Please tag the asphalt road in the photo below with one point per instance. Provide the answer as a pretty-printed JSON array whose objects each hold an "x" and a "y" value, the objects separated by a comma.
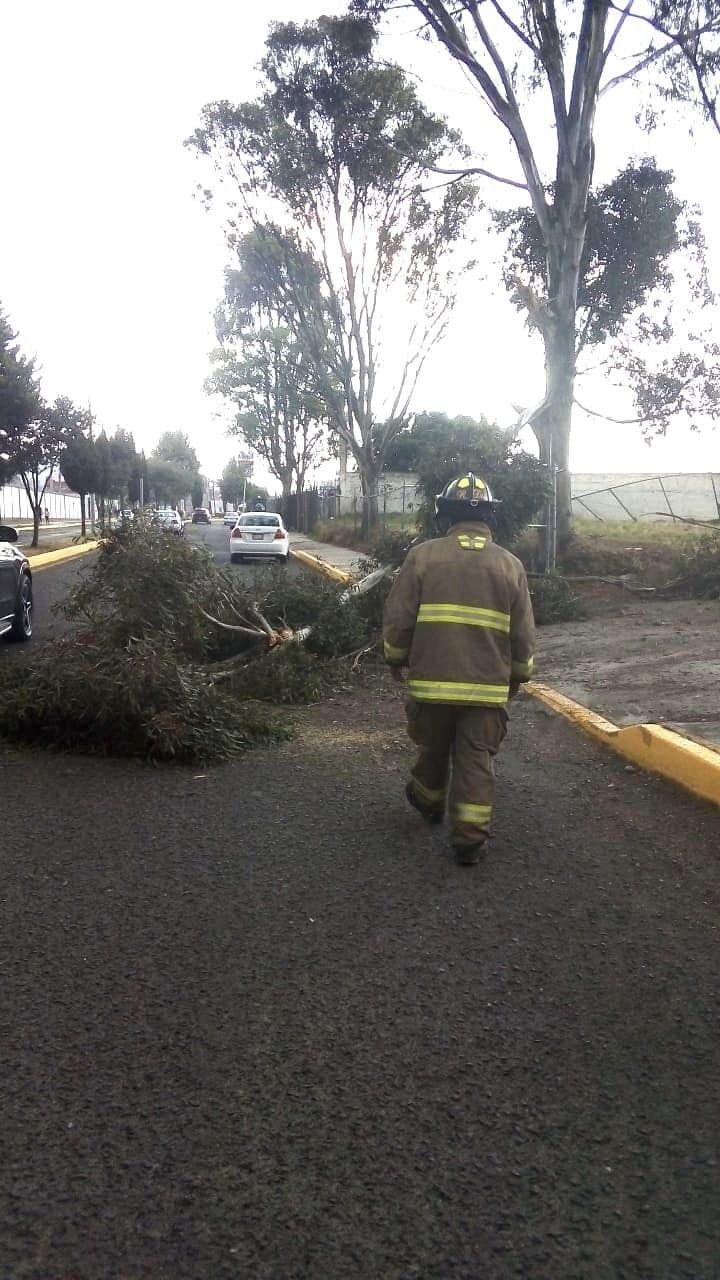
[{"x": 256, "y": 1024}]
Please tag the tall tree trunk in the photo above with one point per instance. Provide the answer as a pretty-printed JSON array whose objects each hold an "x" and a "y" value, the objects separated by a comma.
[
  {"x": 369, "y": 476},
  {"x": 552, "y": 430},
  {"x": 37, "y": 515},
  {"x": 285, "y": 501}
]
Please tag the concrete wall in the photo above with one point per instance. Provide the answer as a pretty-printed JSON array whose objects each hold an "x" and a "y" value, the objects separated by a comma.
[
  {"x": 14, "y": 504},
  {"x": 688, "y": 494},
  {"x": 396, "y": 492}
]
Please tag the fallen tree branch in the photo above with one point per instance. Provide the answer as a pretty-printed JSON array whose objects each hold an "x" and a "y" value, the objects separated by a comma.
[
  {"x": 622, "y": 580},
  {"x": 263, "y": 622},
  {"x": 701, "y": 524},
  {"x": 230, "y": 626}
]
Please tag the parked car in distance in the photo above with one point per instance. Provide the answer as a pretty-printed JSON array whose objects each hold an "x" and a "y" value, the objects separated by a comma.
[
  {"x": 16, "y": 598},
  {"x": 201, "y": 515},
  {"x": 231, "y": 517},
  {"x": 259, "y": 533},
  {"x": 168, "y": 521}
]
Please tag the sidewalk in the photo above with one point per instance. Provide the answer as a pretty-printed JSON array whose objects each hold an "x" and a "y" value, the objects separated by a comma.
[{"x": 340, "y": 557}]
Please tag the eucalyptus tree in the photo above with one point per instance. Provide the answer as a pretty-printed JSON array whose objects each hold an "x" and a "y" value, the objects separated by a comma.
[
  {"x": 329, "y": 167},
  {"x": 642, "y": 246},
  {"x": 173, "y": 467},
  {"x": 266, "y": 372},
  {"x": 39, "y": 447},
  {"x": 542, "y": 70},
  {"x": 19, "y": 397},
  {"x": 80, "y": 471}
]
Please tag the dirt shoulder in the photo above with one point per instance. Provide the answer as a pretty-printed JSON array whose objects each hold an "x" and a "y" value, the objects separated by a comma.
[
  {"x": 636, "y": 660},
  {"x": 633, "y": 659}
]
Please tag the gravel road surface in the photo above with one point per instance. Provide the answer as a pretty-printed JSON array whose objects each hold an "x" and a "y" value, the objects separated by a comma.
[{"x": 257, "y": 1024}]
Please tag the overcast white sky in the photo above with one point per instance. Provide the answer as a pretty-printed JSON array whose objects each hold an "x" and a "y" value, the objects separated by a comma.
[{"x": 110, "y": 270}]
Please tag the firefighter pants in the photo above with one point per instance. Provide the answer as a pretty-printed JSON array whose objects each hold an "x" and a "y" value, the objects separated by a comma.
[{"x": 458, "y": 744}]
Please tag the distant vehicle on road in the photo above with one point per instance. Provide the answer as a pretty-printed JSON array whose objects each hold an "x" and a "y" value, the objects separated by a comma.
[
  {"x": 259, "y": 533},
  {"x": 16, "y": 598},
  {"x": 231, "y": 517},
  {"x": 168, "y": 521},
  {"x": 201, "y": 515}
]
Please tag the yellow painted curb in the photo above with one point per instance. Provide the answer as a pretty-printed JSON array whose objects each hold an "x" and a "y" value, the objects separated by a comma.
[
  {"x": 47, "y": 558},
  {"x": 650, "y": 746},
  {"x": 321, "y": 566}
]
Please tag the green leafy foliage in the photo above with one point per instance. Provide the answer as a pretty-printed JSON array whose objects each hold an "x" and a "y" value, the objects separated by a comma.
[
  {"x": 287, "y": 676},
  {"x": 448, "y": 446},
  {"x": 235, "y": 485},
  {"x": 173, "y": 468},
  {"x": 639, "y": 240},
  {"x": 148, "y": 671},
  {"x": 553, "y": 600},
  {"x": 340, "y": 143},
  {"x": 267, "y": 373},
  {"x": 19, "y": 397},
  {"x": 79, "y": 465},
  {"x": 139, "y": 701},
  {"x": 634, "y": 225},
  {"x": 697, "y": 570}
]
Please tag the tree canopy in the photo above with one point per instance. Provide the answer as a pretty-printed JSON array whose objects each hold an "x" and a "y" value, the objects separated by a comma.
[
  {"x": 19, "y": 397},
  {"x": 338, "y": 146},
  {"x": 265, "y": 371},
  {"x": 542, "y": 71},
  {"x": 236, "y": 485},
  {"x": 442, "y": 447}
]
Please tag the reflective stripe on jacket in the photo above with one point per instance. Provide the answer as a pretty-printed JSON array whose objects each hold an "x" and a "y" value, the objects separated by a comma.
[{"x": 460, "y": 616}]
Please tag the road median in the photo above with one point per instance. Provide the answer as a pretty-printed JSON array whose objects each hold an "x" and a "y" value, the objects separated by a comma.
[{"x": 45, "y": 559}]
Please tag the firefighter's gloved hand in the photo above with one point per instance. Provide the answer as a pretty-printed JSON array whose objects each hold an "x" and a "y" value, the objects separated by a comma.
[
  {"x": 398, "y": 675},
  {"x": 514, "y": 689}
]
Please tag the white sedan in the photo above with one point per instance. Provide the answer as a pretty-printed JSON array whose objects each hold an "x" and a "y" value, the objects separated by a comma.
[{"x": 259, "y": 533}]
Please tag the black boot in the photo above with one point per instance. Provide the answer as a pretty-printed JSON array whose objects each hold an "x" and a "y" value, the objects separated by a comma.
[
  {"x": 468, "y": 855},
  {"x": 432, "y": 816}
]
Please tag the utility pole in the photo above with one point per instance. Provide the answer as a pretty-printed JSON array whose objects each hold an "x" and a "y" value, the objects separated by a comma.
[{"x": 91, "y": 496}]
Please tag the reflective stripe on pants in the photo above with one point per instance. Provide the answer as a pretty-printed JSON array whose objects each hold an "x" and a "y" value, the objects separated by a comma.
[{"x": 466, "y": 738}]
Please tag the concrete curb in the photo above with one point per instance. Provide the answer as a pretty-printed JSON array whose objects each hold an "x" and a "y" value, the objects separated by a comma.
[
  {"x": 651, "y": 747},
  {"x": 321, "y": 566},
  {"x": 48, "y": 558}
]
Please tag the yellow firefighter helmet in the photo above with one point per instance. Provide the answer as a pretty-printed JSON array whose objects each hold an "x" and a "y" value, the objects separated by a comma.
[{"x": 467, "y": 497}]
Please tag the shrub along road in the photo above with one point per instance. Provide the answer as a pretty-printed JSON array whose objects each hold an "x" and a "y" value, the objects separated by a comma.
[{"x": 258, "y": 1023}]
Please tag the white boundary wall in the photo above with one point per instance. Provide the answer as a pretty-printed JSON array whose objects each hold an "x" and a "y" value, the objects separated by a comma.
[
  {"x": 397, "y": 491},
  {"x": 688, "y": 494}
]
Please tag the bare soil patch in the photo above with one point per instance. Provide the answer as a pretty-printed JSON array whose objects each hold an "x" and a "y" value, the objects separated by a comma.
[{"x": 639, "y": 659}]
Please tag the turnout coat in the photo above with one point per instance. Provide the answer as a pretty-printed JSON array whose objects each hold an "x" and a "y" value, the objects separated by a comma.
[{"x": 459, "y": 615}]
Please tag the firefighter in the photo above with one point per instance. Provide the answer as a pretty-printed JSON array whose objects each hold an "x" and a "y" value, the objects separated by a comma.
[{"x": 459, "y": 617}]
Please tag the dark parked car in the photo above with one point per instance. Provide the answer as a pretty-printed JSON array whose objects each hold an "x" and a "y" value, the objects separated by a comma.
[
  {"x": 15, "y": 588},
  {"x": 201, "y": 515}
]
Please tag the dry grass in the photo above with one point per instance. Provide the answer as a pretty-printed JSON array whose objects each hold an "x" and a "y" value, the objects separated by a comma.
[
  {"x": 647, "y": 548},
  {"x": 344, "y": 531}
]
